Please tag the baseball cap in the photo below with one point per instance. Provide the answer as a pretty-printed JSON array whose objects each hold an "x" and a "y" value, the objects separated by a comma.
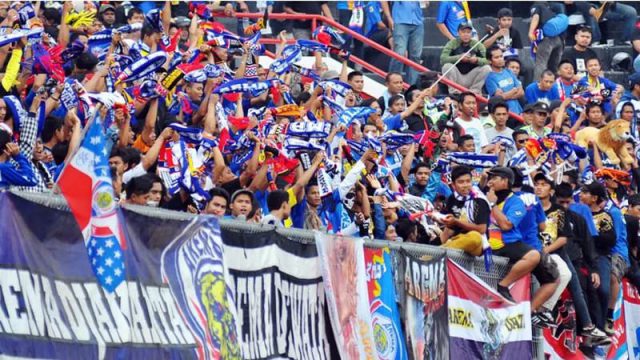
[
  {"x": 634, "y": 79},
  {"x": 464, "y": 25},
  {"x": 106, "y": 7},
  {"x": 541, "y": 106},
  {"x": 504, "y": 12},
  {"x": 483, "y": 109},
  {"x": 503, "y": 172},
  {"x": 596, "y": 189},
  {"x": 528, "y": 108},
  {"x": 240, "y": 192}
]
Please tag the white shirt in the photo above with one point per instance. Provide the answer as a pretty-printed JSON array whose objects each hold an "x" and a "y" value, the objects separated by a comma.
[{"x": 475, "y": 129}]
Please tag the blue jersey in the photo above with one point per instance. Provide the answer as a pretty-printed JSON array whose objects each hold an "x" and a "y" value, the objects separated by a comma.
[
  {"x": 451, "y": 14},
  {"x": 534, "y": 216},
  {"x": 20, "y": 175},
  {"x": 621, "y": 248},
  {"x": 533, "y": 94},
  {"x": 504, "y": 80}
]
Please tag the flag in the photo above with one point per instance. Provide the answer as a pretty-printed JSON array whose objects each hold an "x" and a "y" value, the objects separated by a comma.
[
  {"x": 482, "y": 324},
  {"x": 86, "y": 184}
]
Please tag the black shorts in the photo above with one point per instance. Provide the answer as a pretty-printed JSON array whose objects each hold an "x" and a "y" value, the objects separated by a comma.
[
  {"x": 513, "y": 251},
  {"x": 547, "y": 271}
]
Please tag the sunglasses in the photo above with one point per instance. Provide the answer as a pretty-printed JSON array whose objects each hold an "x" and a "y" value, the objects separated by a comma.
[{"x": 522, "y": 141}]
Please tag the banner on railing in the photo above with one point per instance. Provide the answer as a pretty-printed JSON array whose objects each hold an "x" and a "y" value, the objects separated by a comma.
[
  {"x": 631, "y": 304},
  {"x": 193, "y": 292},
  {"x": 279, "y": 296},
  {"x": 52, "y": 307},
  {"x": 427, "y": 321},
  {"x": 385, "y": 317},
  {"x": 562, "y": 343},
  {"x": 482, "y": 324},
  {"x": 343, "y": 271}
]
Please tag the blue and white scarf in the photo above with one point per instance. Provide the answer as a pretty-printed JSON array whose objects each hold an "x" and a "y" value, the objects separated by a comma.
[
  {"x": 188, "y": 134},
  {"x": 355, "y": 113},
  {"x": 309, "y": 130},
  {"x": 473, "y": 159}
]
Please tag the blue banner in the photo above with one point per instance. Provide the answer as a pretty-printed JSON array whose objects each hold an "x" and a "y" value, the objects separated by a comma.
[{"x": 52, "y": 306}]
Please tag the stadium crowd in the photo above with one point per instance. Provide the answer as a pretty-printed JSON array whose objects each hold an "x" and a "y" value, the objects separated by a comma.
[{"x": 195, "y": 123}]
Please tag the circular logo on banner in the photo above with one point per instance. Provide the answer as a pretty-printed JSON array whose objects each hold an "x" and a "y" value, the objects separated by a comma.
[
  {"x": 103, "y": 201},
  {"x": 385, "y": 336}
]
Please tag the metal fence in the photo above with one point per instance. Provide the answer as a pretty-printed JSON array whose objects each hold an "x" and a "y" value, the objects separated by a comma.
[{"x": 473, "y": 264}]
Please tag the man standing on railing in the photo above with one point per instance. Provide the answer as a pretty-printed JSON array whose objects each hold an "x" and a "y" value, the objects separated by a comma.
[{"x": 407, "y": 24}]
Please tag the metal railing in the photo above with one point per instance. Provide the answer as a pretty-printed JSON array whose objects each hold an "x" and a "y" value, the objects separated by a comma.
[{"x": 334, "y": 24}]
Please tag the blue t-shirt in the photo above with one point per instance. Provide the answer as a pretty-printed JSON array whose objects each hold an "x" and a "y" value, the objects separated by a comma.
[
  {"x": 407, "y": 12},
  {"x": 620, "y": 226},
  {"x": 504, "y": 80},
  {"x": 515, "y": 211},
  {"x": 451, "y": 14},
  {"x": 533, "y": 94},
  {"x": 529, "y": 224}
]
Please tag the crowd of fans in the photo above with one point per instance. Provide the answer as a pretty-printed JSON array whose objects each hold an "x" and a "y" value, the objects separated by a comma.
[{"x": 211, "y": 131}]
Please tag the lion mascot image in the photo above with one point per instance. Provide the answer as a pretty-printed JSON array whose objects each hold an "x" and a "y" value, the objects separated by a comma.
[{"x": 610, "y": 140}]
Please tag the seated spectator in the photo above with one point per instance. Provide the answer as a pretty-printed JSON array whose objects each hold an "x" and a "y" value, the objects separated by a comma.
[
  {"x": 514, "y": 65},
  {"x": 467, "y": 214},
  {"x": 470, "y": 124},
  {"x": 597, "y": 85},
  {"x": 502, "y": 82},
  {"x": 543, "y": 90},
  {"x": 450, "y": 15},
  {"x": 565, "y": 83},
  {"x": 473, "y": 67},
  {"x": 506, "y": 213},
  {"x": 505, "y": 37},
  {"x": 580, "y": 52}
]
